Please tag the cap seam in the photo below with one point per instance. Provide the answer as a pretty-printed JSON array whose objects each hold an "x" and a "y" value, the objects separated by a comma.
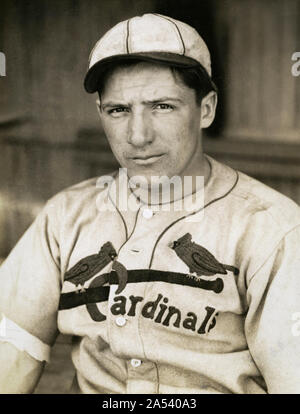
[
  {"x": 177, "y": 31},
  {"x": 127, "y": 37}
]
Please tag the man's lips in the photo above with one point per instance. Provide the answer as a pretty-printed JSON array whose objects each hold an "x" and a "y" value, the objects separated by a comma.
[{"x": 146, "y": 159}]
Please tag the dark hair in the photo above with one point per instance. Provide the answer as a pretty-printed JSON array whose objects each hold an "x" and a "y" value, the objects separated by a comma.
[{"x": 195, "y": 78}]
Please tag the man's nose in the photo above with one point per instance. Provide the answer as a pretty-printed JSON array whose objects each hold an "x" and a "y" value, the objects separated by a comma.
[{"x": 139, "y": 130}]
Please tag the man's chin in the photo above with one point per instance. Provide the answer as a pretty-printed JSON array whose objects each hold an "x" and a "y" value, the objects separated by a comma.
[
  {"x": 145, "y": 179},
  {"x": 153, "y": 183}
]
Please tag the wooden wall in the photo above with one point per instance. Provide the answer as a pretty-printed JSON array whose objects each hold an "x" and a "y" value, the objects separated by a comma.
[
  {"x": 262, "y": 97},
  {"x": 47, "y": 45}
]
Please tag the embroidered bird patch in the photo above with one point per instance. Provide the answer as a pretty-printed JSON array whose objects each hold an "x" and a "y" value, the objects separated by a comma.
[
  {"x": 89, "y": 266},
  {"x": 198, "y": 259}
]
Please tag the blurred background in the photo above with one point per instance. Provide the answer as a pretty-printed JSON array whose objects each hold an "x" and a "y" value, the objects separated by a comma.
[{"x": 50, "y": 135}]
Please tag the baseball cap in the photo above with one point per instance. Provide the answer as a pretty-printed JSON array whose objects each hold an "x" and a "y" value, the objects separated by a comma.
[{"x": 150, "y": 37}]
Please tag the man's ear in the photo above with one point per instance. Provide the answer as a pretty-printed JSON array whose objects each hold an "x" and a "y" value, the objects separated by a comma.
[
  {"x": 208, "y": 109},
  {"x": 98, "y": 104}
]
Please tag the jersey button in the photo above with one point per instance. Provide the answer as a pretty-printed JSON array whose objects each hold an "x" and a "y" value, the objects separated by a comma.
[
  {"x": 135, "y": 363},
  {"x": 120, "y": 321},
  {"x": 147, "y": 213}
]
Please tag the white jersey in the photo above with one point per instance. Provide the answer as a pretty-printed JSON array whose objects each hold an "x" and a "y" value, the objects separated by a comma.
[{"x": 160, "y": 303}]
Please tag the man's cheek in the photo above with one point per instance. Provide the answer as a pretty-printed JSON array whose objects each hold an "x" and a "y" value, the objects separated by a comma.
[
  {"x": 118, "y": 153},
  {"x": 167, "y": 133},
  {"x": 115, "y": 139}
]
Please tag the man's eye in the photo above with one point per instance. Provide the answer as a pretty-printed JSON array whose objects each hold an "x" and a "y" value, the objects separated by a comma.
[
  {"x": 163, "y": 107},
  {"x": 117, "y": 111}
]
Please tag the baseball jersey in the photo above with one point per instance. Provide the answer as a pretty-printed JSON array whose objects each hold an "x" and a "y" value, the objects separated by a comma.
[{"x": 193, "y": 297}]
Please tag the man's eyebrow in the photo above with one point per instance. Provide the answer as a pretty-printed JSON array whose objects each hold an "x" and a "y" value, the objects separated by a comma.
[
  {"x": 113, "y": 104},
  {"x": 162, "y": 99}
]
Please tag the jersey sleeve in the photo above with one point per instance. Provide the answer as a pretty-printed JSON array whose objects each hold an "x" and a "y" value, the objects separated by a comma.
[
  {"x": 271, "y": 324},
  {"x": 30, "y": 280}
]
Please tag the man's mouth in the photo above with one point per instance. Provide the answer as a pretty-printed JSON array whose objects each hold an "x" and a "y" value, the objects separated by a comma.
[{"x": 146, "y": 159}]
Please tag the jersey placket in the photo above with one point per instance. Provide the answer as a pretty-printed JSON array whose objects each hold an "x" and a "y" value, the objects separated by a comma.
[{"x": 124, "y": 322}]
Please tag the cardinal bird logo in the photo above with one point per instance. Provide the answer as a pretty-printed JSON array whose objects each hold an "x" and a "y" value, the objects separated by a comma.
[
  {"x": 198, "y": 259},
  {"x": 89, "y": 266}
]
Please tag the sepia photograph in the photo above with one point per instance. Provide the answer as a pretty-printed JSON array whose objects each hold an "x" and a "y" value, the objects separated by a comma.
[{"x": 150, "y": 198}]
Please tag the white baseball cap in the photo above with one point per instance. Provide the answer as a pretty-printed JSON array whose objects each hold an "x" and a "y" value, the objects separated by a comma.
[{"x": 151, "y": 37}]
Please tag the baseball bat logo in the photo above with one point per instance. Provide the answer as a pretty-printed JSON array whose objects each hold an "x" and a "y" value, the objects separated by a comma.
[{"x": 202, "y": 263}]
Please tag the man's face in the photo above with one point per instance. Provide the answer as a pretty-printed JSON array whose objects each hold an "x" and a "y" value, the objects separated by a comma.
[{"x": 152, "y": 122}]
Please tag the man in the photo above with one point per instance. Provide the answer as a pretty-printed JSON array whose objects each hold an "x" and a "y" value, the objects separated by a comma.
[{"x": 163, "y": 291}]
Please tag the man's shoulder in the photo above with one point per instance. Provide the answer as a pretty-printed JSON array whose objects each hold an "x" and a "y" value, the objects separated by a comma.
[
  {"x": 82, "y": 193},
  {"x": 262, "y": 198},
  {"x": 252, "y": 197}
]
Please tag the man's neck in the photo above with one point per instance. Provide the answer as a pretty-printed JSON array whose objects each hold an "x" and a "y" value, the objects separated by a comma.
[{"x": 175, "y": 188}]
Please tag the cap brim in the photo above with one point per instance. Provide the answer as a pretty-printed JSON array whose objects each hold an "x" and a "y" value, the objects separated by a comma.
[{"x": 96, "y": 71}]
